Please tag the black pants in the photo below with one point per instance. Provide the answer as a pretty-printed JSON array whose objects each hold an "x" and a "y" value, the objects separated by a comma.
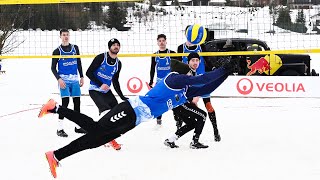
[
  {"x": 104, "y": 101},
  {"x": 76, "y": 104},
  {"x": 116, "y": 122},
  {"x": 212, "y": 116},
  {"x": 193, "y": 117}
]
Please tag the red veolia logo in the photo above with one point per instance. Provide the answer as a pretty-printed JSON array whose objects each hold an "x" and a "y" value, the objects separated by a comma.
[
  {"x": 134, "y": 85},
  {"x": 244, "y": 89}
]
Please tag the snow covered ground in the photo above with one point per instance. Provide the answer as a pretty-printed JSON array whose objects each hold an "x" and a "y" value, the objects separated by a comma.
[{"x": 261, "y": 138}]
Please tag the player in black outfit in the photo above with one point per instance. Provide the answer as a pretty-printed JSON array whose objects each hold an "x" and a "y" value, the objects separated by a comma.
[
  {"x": 190, "y": 114},
  {"x": 208, "y": 66}
]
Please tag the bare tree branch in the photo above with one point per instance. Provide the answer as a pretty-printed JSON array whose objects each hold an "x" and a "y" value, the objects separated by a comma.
[{"x": 11, "y": 19}]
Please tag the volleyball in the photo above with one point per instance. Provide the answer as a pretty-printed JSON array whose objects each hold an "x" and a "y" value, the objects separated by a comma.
[{"x": 196, "y": 34}]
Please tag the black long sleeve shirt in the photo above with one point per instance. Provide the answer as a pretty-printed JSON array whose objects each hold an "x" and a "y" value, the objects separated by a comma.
[
  {"x": 210, "y": 81},
  {"x": 55, "y": 60},
  {"x": 153, "y": 64},
  {"x": 97, "y": 61}
]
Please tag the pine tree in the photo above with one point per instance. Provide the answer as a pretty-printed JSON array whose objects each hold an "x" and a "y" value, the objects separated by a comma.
[
  {"x": 176, "y": 3},
  {"x": 195, "y": 2},
  {"x": 284, "y": 19},
  {"x": 228, "y": 2},
  {"x": 300, "y": 26},
  {"x": 204, "y": 2},
  {"x": 163, "y": 3},
  {"x": 115, "y": 17},
  {"x": 95, "y": 12},
  {"x": 151, "y": 8},
  {"x": 301, "y": 17},
  {"x": 284, "y": 2}
]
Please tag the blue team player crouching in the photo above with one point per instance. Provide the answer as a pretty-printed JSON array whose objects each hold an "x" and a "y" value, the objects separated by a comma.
[{"x": 171, "y": 92}]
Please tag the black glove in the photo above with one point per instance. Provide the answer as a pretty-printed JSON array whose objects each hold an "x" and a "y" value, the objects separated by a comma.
[{"x": 151, "y": 84}]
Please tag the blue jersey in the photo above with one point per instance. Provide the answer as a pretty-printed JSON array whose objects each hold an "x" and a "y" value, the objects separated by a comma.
[
  {"x": 104, "y": 74},
  {"x": 68, "y": 67},
  {"x": 174, "y": 90},
  {"x": 157, "y": 101},
  {"x": 201, "y": 68},
  {"x": 163, "y": 66}
]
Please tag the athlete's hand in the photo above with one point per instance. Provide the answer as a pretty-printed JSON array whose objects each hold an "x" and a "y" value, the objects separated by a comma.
[
  {"x": 62, "y": 84},
  {"x": 104, "y": 87},
  {"x": 81, "y": 82},
  {"x": 195, "y": 100},
  {"x": 151, "y": 84}
]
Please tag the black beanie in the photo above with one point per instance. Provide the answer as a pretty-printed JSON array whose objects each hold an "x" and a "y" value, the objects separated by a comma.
[
  {"x": 193, "y": 55},
  {"x": 112, "y": 41},
  {"x": 179, "y": 67}
]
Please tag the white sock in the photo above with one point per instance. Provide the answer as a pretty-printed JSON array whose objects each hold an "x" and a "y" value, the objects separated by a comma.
[
  {"x": 60, "y": 124},
  {"x": 57, "y": 107},
  {"x": 173, "y": 138}
]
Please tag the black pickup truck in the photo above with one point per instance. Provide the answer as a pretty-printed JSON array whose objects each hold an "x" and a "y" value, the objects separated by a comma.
[{"x": 273, "y": 65}]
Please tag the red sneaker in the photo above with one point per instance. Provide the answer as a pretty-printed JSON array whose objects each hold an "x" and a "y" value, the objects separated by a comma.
[
  {"x": 115, "y": 145},
  {"x": 51, "y": 104},
  {"x": 53, "y": 163}
]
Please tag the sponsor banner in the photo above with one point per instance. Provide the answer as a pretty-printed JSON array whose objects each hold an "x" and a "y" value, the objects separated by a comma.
[
  {"x": 270, "y": 86},
  {"x": 135, "y": 75},
  {"x": 134, "y": 81}
]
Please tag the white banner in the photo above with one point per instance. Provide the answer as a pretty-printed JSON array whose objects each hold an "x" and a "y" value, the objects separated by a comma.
[
  {"x": 135, "y": 76},
  {"x": 134, "y": 81},
  {"x": 270, "y": 86}
]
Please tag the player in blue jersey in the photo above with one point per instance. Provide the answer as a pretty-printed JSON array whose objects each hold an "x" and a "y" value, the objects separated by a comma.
[
  {"x": 205, "y": 65},
  {"x": 171, "y": 92},
  {"x": 104, "y": 71},
  {"x": 67, "y": 76},
  {"x": 162, "y": 64}
]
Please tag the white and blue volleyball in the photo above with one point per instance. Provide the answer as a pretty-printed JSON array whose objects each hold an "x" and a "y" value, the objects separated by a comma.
[{"x": 196, "y": 34}]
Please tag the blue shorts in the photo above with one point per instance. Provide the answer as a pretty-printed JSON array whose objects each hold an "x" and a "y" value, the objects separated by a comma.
[{"x": 72, "y": 90}]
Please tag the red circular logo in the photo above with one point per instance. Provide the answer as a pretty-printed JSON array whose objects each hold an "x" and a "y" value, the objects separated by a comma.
[
  {"x": 245, "y": 90},
  {"x": 132, "y": 85}
]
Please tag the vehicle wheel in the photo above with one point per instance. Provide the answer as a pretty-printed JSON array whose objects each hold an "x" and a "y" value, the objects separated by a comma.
[
  {"x": 314, "y": 73},
  {"x": 289, "y": 72}
]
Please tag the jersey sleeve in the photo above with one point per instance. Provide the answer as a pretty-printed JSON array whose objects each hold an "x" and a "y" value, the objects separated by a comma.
[
  {"x": 54, "y": 63},
  {"x": 115, "y": 82},
  {"x": 97, "y": 61},
  {"x": 152, "y": 69},
  {"x": 79, "y": 64}
]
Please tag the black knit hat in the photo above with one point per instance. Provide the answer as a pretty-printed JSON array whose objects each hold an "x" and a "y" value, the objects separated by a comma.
[
  {"x": 113, "y": 41},
  {"x": 179, "y": 67},
  {"x": 193, "y": 55}
]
